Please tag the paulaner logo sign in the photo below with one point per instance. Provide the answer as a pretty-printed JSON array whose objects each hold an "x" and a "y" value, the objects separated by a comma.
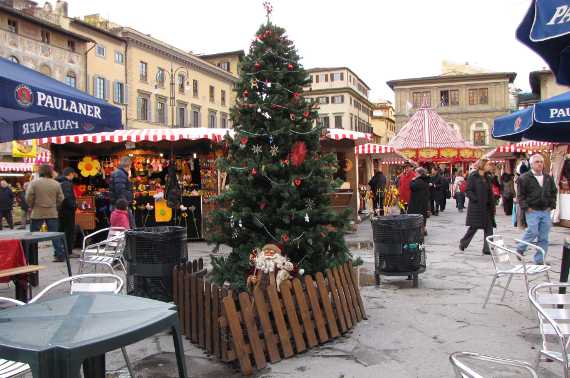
[
  {"x": 559, "y": 112},
  {"x": 43, "y": 126},
  {"x": 560, "y": 16}
]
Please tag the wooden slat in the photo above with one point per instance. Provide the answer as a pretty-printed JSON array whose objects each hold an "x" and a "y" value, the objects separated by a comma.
[
  {"x": 268, "y": 335},
  {"x": 279, "y": 320},
  {"x": 201, "y": 320},
  {"x": 215, "y": 324},
  {"x": 237, "y": 335},
  {"x": 347, "y": 277},
  {"x": 327, "y": 306},
  {"x": 305, "y": 315},
  {"x": 194, "y": 266},
  {"x": 252, "y": 331},
  {"x": 200, "y": 264},
  {"x": 353, "y": 273},
  {"x": 208, "y": 315},
  {"x": 187, "y": 300},
  {"x": 224, "y": 330},
  {"x": 337, "y": 302},
  {"x": 342, "y": 295},
  {"x": 21, "y": 270},
  {"x": 292, "y": 318},
  {"x": 194, "y": 305},
  {"x": 317, "y": 312},
  {"x": 347, "y": 296}
]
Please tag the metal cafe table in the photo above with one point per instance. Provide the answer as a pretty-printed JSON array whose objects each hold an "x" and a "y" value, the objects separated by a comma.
[{"x": 56, "y": 336}]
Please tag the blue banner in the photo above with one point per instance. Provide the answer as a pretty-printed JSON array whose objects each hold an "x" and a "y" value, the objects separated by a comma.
[{"x": 551, "y": 19}]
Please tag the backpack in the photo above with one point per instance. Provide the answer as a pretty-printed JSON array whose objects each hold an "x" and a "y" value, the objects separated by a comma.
[{"x": 463, "y": 186}]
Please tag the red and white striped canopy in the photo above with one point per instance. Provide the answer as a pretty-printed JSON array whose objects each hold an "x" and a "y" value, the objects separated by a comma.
[
  {"x": 525, "y": 146},
  {"x": 426, "y": 129},
  {"x": 16, "y": 167},
  {"x": 142, "y": 135},
  {"x": 338, "y": 134},
  {"x": 386, "y": 154},
  {"x": 42, "y": 157}
]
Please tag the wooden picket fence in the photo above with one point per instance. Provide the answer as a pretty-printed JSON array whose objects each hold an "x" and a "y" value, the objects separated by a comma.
[{"x": 266, "y": 325}]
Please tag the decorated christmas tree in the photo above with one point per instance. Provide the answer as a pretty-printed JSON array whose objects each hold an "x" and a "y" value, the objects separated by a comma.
[{"x": 278, "y": 180}]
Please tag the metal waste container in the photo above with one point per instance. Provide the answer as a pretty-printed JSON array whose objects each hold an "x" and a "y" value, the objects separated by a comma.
[
  {"x": 398, "y": 246},
  {"x": 151, "y": 254}
]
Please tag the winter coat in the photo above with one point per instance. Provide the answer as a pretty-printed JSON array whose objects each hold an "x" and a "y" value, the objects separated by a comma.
[
  {"x": 419, "y": 198},
  {"x": 437, "y": 190},
  {"x": 120, "y": 186},
  {"x": 44, "y": 196},
  {"x": 481, "y": 208},
  {"x": 69, "y": 203},
  {"x": 531, "y": 194},
  {"x": 404, "y": 186},
  {"x": 6, "y": 198},
  {"x": 508, "y": 186},
  {"x": 377, "y": 182},
  {"x": 120, "y": 218}
]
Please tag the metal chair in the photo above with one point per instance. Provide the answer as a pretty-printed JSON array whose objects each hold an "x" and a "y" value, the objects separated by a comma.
[
  {"x": 509, "y": 263},
  {"x": 107, "y": 252},
  {"x": 115, "y": 287},
  {"x": 9, "y": 369},
  {"x": 553, "y": 322},
  {"x": 462, "y": 370}
]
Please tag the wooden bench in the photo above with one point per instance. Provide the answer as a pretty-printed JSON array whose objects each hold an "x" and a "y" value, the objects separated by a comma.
[{"x": 22, "y": 294}]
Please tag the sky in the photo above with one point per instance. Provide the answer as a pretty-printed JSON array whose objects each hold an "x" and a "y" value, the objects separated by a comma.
[{"x": 380, "y": 40}]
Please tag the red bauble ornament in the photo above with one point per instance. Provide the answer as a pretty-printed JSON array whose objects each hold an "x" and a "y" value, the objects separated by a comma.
[
  {"x": 298, "y": 153},
  {"x": 257, "y": 66},
  {"x": 254, "y": 172},
  {"x": 245, "y": 93},
  {"x": 263, "y": 205},
  {"x": 290, "y": 67},
  {"x": 297, "y": 182},
  {"x": 285, "y": 162},
  {"x": 306, "y": 114},
  {"x": 285, "y": 238},
  {"x": 243, "y": 140},
  {"x": 296, "y": 96}
]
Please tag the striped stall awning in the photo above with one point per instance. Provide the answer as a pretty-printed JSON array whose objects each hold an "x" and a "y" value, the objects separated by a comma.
[
  {"x": 386, "y": 154},
  {"x": 426, "y": 129},
  {"x": 16, "y": 167},
  {"x": 338, "y": 134},
  {"x": 142, "y": 135},
  {"x": 525, "y": 146}
]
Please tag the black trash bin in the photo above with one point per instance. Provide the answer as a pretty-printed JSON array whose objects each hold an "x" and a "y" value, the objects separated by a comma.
[
  {"x": 151, "y": 254},
  {"x": 398, "y": 246}
]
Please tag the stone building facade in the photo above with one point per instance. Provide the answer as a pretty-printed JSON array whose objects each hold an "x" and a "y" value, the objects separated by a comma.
[{"x": 383, "y": 122}]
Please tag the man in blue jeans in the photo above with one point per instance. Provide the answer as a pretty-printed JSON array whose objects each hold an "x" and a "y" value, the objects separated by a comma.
[{"x": 536, "y": 197}]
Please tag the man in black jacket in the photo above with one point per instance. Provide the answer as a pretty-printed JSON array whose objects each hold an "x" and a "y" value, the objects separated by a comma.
[
  {"x": 6, "y": 203},
  {"x": 377, "y": 185},
  {"x": 536, "y": 197},
  {"x": 121, "y": 187},
  {"x": 67, "y": 210}
]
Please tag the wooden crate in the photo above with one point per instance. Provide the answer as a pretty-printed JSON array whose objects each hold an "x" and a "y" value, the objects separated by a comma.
[
  {"x": 87, "y": 220},
  {"x": 268, "y": 324}
]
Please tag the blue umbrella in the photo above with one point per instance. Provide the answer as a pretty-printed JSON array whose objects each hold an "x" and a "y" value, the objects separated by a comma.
[
  {"x": 546, "y": 30},
  {"x": 34, "y": 106},
  {"x": 547, "y": 121}
]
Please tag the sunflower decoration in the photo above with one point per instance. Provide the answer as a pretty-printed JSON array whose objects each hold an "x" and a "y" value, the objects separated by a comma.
[{"x": 89, "y": 166}]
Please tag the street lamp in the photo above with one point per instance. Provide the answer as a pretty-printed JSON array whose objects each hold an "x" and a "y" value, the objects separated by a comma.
[{"x": 172, "y": 75}]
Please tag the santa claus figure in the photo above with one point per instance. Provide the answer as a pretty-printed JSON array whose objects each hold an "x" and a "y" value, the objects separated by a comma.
[{"x": 268, "y": 262}]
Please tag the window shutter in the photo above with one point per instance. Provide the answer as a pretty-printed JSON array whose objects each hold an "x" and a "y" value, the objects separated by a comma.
[
  {"x": 116, "y": 97},
  {"x": 341, "y": 76},
  {"x": 149, "y": 110},
  {"x": 317, "y": 78},
  {"x": 139, "y": 114},
  {"x": 106, "y": 89},
  {"x": 326, "y": 77},
  {"x": 332, "y": 77},
  {"x": 94, "y": 85},
  {"x": 87, "y": 84}
]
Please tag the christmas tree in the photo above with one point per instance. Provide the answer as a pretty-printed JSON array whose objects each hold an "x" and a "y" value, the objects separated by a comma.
[{"x": 278, "y": 180}]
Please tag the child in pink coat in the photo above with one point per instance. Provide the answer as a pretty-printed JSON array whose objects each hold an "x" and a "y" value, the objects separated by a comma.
[{"x": 120, "y": 216}]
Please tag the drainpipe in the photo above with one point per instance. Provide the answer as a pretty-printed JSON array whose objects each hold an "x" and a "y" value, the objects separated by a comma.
[
  {"x": 86, "y": 71},
  {"x": 126, "y": 105}
]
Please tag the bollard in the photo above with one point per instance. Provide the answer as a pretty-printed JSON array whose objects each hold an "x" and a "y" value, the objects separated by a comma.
[{"x": 565, "y": 265}]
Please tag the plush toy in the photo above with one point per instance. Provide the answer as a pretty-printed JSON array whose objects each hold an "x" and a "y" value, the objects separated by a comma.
[{"x": 268, "y": 262}]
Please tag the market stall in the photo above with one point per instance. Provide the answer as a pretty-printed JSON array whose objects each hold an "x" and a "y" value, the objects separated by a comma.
[{"x": 163, "y": 160}]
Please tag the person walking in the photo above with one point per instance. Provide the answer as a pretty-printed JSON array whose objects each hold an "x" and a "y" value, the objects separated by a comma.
[
  {"x": 121, "y": 187},
  {"x": 21, "y": 199},
  {"x": 481, "y": 207},
  {"x": 536, "y": 196},
  {"x": 67, "y": 209},
  {"x": 459, "y": 187},
  {"x": 377, "y": 185},
  {"x": 419, "y": 195},
  {"x": 404, "y": 181},
  {"x": 44, "y": 196},
  {"x": 6, "y": 204},
  {"x": 508, "y": 192},
  {"x": 436, "y": 191},
  {"x": 445, "y": 183}
]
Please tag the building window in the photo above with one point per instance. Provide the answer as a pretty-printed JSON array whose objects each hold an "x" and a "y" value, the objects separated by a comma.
[
  {"x": 323, "y": 100},
  {"x": 161, "y": 111},
  {"x": 337, "y": 76},
  {"x": 46, "y": 37},
  {"x": 70, "y": 79},
  {"x": 181, "y": 83},
  {"x": 212, "y": 90},
  {"x": 478, "y": 96},
  {"x": 311, "y": 78},
  {"x": 224, "y": 121},
  {"x": 181, "y": 115},
  {"x": 324, "y": 121},
  {"x": 212, "y": 120},
  {"x": 160, "y": 77},
  {"x": 99, "y": 89},
  {"x": 224, "y": 66},
  {"x": 195, "y": 117},
  {"x": 143, "y": 109},
  {"x": 223, "y": 98},
  {"x": 71, "y": 45},
  {"x": 480, "y": 137},
  {"x": 119, "y": 57},
  {"x": 338, "y": 122},
  {"x": 195, "y": 88},
  {"x": 351, "y": 122},
  {"x": 449, "y": 97},
  {"x": 419, "y": 98},
  {"x": 143, "y": 71},
  {"x": 337, "y": 99},
  {"x": 100, "y": 51},
  {"x": 119, "y": 92},
  {"x": 12, "y": 25},
  {"x": 13, "y": 59}
]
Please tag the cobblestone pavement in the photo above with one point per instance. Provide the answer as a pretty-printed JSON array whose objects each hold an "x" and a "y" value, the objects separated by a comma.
[{"x": 410, "y": 332}]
